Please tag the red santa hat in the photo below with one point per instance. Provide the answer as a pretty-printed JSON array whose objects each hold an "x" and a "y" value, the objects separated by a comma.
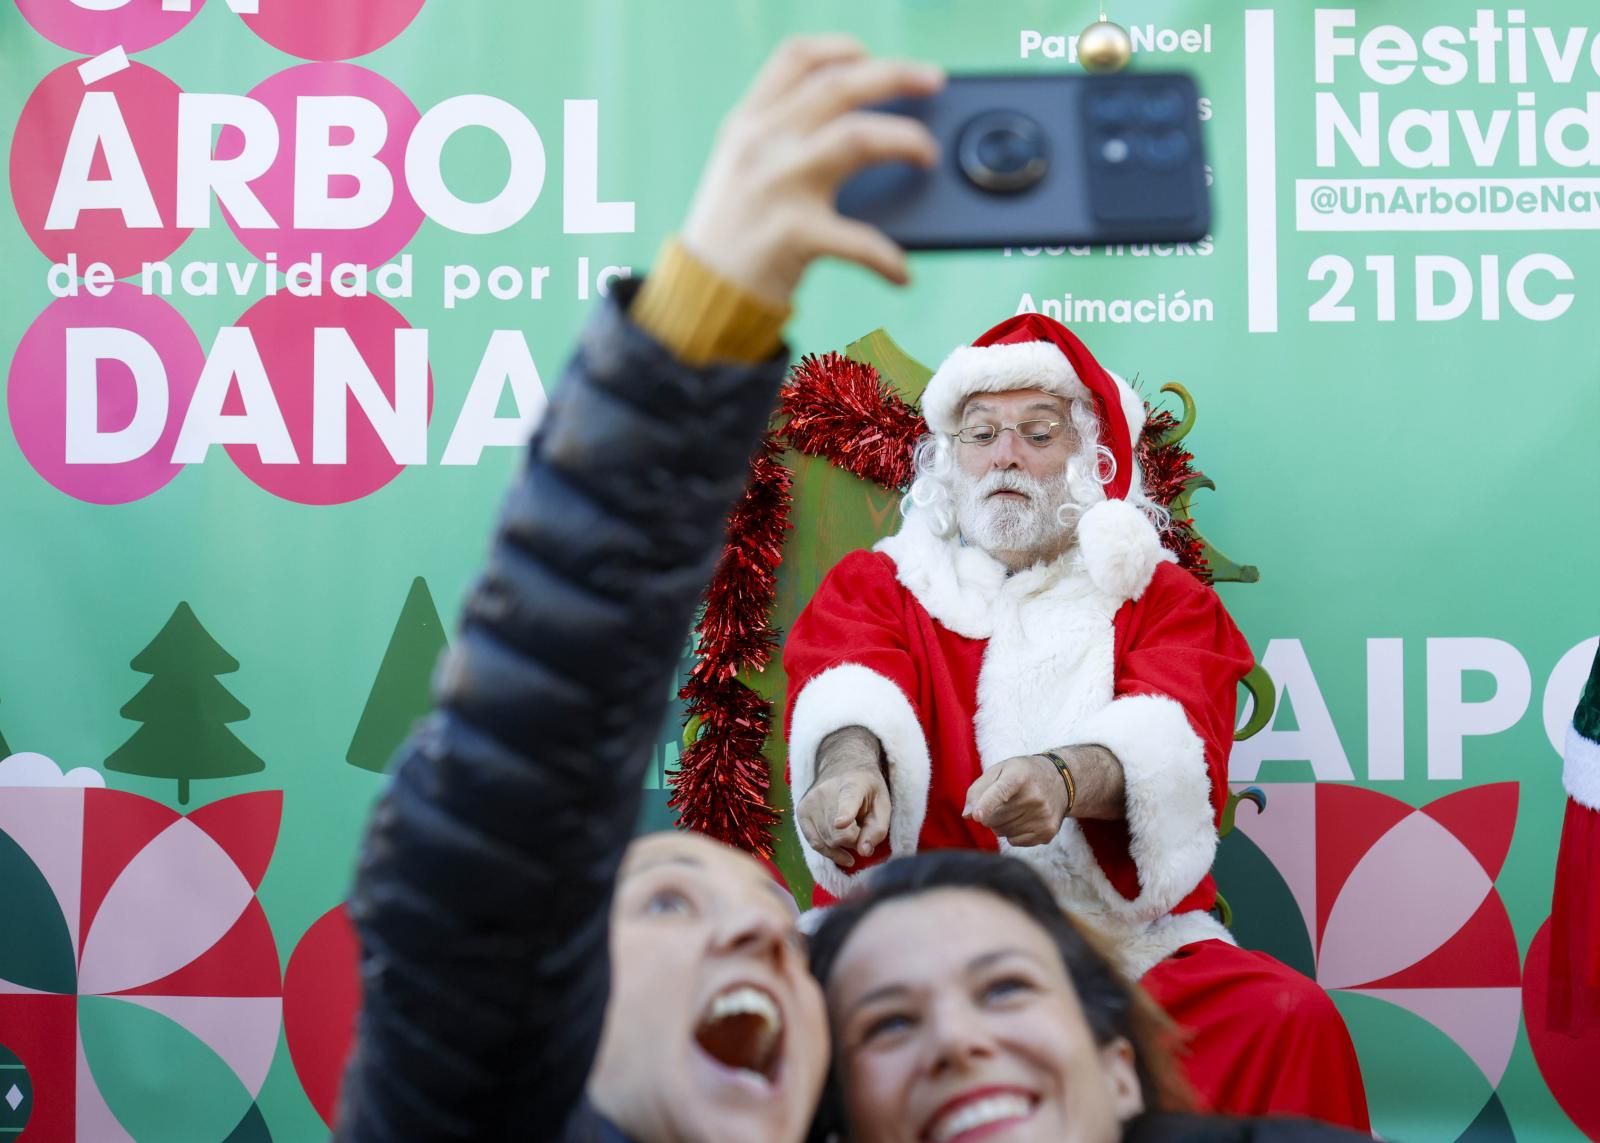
[{"x": 1031, "y": 351}]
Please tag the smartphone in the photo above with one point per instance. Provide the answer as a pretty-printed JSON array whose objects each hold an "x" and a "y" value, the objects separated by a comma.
[{"x": 1045, "y": 160}]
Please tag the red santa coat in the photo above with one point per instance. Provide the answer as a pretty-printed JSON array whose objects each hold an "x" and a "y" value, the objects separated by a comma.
[{"x": 955, "y": 666}]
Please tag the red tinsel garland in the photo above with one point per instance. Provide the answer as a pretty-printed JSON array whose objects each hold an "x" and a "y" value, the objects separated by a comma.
[
  {"x": 721, "y": 783},
  {"x": 842, "y": 410},
  {"x": 1168, "y": 468}
]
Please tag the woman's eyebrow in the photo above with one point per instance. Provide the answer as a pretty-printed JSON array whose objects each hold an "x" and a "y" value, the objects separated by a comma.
[
  {"x": 977, "y": 964},
  {"x": 882, "y": 992},
  {"x": 646, "y": 866},
  {"x": 988, "y": 959}
]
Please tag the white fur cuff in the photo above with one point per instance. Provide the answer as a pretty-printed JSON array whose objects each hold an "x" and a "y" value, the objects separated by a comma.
[
  {"x": 1120, "y": 548},
  {"x": 1172, "y": 835},
  {"x": 1580, "y": 771},
  {"x": 853, "y": 695},
  {"x": 1152, "y": 944}
]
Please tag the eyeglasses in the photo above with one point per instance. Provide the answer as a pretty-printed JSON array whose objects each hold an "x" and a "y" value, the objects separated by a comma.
[{"x": 1038, "y": 433}]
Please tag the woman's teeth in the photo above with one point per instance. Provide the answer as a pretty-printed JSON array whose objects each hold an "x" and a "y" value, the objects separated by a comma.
[
  {"x": 741, "y": 1000},
  {"x": 980, "y": 1113},
  {"x": 741, "y": 1029}
]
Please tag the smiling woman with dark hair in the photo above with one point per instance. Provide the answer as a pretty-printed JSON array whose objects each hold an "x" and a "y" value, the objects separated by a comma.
[{"x": 967, "y": 1006}]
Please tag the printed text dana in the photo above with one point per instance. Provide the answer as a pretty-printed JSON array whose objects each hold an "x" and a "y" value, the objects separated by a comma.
[
  {"x": 336, "y": 137},
  {"x": 235, "y": 402}
]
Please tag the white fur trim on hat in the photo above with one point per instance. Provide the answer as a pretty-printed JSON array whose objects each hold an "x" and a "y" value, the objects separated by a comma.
[
  {"x": 1132, "y": 407},
  {"x": 972, "y": 369},
  {"x": 1120, "y": 548},
  {"x": 996, "y": 369}
]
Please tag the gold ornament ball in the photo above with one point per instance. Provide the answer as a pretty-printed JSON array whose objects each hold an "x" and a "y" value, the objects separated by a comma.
[{"x": 1104, "y": 47}]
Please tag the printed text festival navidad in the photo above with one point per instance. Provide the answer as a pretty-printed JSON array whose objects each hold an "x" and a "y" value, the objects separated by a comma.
[{"x": 1497, "y": 49}]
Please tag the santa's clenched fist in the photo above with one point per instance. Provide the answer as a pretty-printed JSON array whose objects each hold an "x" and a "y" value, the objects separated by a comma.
[
  {"x": 1022, "y": 799},
  {"x": 845, "y": 813}
]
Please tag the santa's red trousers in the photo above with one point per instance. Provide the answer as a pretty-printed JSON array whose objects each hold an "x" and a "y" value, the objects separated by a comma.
[
  {"x": 1262, "y": 1039},
  {"x": 1575, "y": 927}
]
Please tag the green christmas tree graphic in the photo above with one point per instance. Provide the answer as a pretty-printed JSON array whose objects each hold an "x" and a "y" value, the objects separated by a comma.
[
  {"x": 400, "y": 694},
  {"x": 185, "y": 710}
]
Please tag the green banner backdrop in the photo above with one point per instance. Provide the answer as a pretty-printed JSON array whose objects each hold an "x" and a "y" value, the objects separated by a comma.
[{"x": 284, "y": 280}]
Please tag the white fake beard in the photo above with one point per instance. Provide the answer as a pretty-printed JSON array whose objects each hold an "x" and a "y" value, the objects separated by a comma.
[{"x": 1027, "y": 530}]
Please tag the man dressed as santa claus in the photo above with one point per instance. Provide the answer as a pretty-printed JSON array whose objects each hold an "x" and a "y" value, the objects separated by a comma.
[{"x": 1024, "y": 667}]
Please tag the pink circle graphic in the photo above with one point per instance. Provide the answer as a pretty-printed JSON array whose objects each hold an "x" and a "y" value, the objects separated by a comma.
[
  {"x": 148, "y": 103},
  {"x": 316, "y": 30},
  {"x": 371, "y": 243},
  {"x": 283, "y": 328},
  {"x": 321, "y": 1000},
  {"x": 136, "y": 25},
  {"x": 36, "y": 394}
]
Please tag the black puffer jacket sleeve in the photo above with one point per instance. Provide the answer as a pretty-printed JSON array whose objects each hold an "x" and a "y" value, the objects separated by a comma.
[{"x": 483, "y": 887}]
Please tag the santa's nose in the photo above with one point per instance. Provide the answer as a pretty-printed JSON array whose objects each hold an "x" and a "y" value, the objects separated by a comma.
[{"x": 1007, "y": 451}]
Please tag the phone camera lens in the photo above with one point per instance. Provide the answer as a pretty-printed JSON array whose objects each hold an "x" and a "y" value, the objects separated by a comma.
[
  {"x": 1003, "y": 151},
  {"x": 1165, "y": 148},
  {"x": 1110, "y": 108},
  {"x": 1114, "y": 150},
  {"x": 1163, "y": 107}
]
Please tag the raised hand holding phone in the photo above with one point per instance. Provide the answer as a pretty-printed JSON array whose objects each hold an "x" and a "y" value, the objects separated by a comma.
[{"x": 1045, "y": 160}]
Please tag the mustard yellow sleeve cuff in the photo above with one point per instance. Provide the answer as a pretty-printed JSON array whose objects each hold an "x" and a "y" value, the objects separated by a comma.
[{"x": 702, "y": 317}]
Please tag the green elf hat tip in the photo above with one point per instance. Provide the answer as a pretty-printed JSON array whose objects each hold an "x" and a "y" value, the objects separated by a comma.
[
  {"x": 1581, "y": 759},
  {"x": 1587, "y": 717}
]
